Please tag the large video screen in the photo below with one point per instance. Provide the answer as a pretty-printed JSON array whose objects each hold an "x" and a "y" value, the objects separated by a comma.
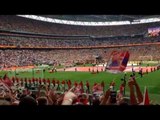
[{"x": 154, "y": 31}]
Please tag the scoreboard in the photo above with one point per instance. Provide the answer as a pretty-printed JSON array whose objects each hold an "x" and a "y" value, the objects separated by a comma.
[{"x": 154, "y": 31}]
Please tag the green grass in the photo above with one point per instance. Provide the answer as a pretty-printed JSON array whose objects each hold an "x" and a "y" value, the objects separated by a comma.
[
  {"x": 150, "y": 64},
  {"x": 151, "y": 80}
]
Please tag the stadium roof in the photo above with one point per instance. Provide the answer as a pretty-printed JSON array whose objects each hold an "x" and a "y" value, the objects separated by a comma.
[{"x": 96, "y": 20}]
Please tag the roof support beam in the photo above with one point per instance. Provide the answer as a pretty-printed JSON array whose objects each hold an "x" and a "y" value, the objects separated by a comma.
[{"x": 69, "y": 22}]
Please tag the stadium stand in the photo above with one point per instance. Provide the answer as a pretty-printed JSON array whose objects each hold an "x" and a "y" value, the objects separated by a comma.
[
  {"x": 30, "y": 57},
  {"x": 28, "y": 25},
  {"x": 26, "y": 42}
]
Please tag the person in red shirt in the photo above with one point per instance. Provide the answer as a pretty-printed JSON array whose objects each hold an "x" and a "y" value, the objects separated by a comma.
[
  {"x": 40, "y": 81},
  {"x": 97, "y": 70},
  {"x": 89, "y": 69},
  {"x": 48, "y": 82},
  {"x": 36, "y": 82},
  {"x": 93, "y": 70},
  {"x": 95, "y": 86},
  {"x": 122, "y": 88},
  {"x": 63, "y": 85},
  {"x": 102, "y": 69},
  {"x": 17, "y": 80},
  {"x": 53, "y": 81},
  {"x": 44, "y": 81},
  {"x": 69, "y": 84},
  {"x": 81, "y": 84},
  {"x": 33, "y": 80},
  {"x": 147, "y": 70},
  {"x": 75, "y": 84},
  {"x": 63, "y": 82},
  {"x": 84, "y": 100}
]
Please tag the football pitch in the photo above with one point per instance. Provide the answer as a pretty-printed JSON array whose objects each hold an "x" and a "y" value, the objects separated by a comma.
[{"x": 151, "y": 80}]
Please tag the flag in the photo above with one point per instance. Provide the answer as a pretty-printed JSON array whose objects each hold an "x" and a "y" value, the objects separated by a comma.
[
  {"x": 117, "y": 62},
  {"x": 7, "y": 81},
  {"x": 146, "y": 97}
]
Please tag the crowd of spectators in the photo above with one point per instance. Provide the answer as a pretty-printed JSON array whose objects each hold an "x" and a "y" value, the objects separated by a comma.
[
  {"x": 37, "y": 91},
  {"x": 21, "y": 93},
  {"x": 24, "y": 57},
  {"x": 21, "y": 57},
  {"x": 61, "y": 42}
]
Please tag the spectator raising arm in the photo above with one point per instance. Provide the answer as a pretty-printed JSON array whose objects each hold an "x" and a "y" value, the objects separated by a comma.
[
  {"x": 69, "y": 97},
  {"x": 133, "y": 100},
  {"x": 105, "y": 98},
  {"x": 138, "y": 92}
]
